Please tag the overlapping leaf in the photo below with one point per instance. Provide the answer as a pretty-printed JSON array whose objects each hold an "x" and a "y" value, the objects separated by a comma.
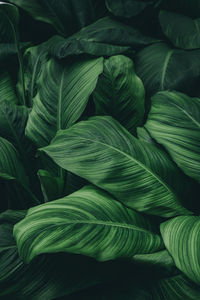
[
  {"x": 182, "y": 31},
  {"x": 162, "y": 67},
  {"x": 9, "y": 18},
  {"x": 120, "y": 92},
  {"x": 65, "y": 15},
  {"x": 174, "y": 122},
  {"x": 88, "y": 222},
  {"x": 63, "y": 92},
  {"x": 34, "y": 59},
  {"x": 182, "y": 239},
  {"x": 47, "y": 277},
  {"x": 7, "y": 91},
  {"x": 136, "y": 173},
  {"x": 104, "y": 37}
]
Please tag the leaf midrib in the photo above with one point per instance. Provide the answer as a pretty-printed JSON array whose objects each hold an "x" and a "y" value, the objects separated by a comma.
[
  {"x": 164, "y": 69},
  {"x": 187, "y": 114},
  {"x": 133, "y": 159}
]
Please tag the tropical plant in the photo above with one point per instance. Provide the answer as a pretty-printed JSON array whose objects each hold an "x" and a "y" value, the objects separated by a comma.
[{"x": 100, "y": 150}]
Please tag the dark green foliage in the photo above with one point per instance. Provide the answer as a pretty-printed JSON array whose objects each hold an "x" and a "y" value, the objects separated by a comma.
[{"x": 99, "y": 150}]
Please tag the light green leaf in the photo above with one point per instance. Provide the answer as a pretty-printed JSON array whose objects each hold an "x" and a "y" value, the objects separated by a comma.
[
  {"x": 182, "y": 31},
  {"x": 162, "y": 67},
  {"x": 143, "y": 135},
  {"x": 181, "y": 238},
  {"x": 46, "y": 277},
  {"x": 174, "y": 122},
  {"x": 7, "y": 91},
  {"x": 104, "y": 37},
  {"x": 88, "y": 222},
  {"x": 63, "y": 92},
  {"x": 34, "y": 60},
  {"x": 120, "y": 92},
  {"x": 106, "y": 154}
]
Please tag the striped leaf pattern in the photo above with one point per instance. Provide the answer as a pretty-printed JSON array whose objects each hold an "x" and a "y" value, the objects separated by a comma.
[
  {"x": 181, "y": 236},
  {"x": 88, "y": 222},
  {"x": 106, "y": 154},
  {"x": 63, "y": 92},
  {"x": 174, "y": 122},
  {"x": 120, "y": 92}
]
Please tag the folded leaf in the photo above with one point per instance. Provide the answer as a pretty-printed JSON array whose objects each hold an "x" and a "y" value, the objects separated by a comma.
[
  {"x": 182, "y": 31},
  {"x": 34, "y": 60},
  {"x": 174, "y": 122},
  {"x": 162, "y": 67},
  {"x": 88, "y": 222},
  {"x": 120, "y": 92},
  {"x": 63, "y": 92},
  {"x": 136, "y": 173},
  {"x": 181, "y": 238},
  {"x": 104, "y": 37}
]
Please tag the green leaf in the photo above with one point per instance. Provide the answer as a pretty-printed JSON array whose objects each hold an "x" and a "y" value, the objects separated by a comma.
[
  {"x": 143, "y": 135},
  {"x": 63, "y": 92},
  {"x": 175, "y": 288},
  {"x": 164, "y": 68},
  {"x": 88, "y": 222},
  {"x": 7, "y": 91},
  {"x": 181, "y": 238},
  {"x": 34, "y": 60},
  {"x": 182, "y": 31},
  {"x": 126, "y": 8},
  {"x": 10, "y": 165},
  {"x": 52, "y": 187},
  {"x": 65, "y": 15},
  {"x": 120, "y": 92},
  {"x": 106, "y": 154},
  {"x": 13, "y": 119},
  {"x": 9, "y": 18},
  {"x": 185, "y": 7},
  {"x": 104, "y": 37},
  {"x": 174, "y": 122},
  {"x": 46, "y": 277}
]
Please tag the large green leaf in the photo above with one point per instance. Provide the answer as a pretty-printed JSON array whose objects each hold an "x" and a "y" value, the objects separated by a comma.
[
  {"x": 120, "y": 92},
  {"x": 88, "y": 222},
  {"x": 162, "y": 67},
  {"x": 65, "y": 15},
  {"x": 46, "y": 277},
  {"x": 34, "y": 60},
  {"x": 174, "y": 122},
  {"x": 182, "y": 239},
  {"x": 105, "y": 37},
  {"x": 126, "y": 8},
  {"x": 106, "y": 154},
  {"x": 182, "y": 31},
  {"x": 63, "y": 92}
]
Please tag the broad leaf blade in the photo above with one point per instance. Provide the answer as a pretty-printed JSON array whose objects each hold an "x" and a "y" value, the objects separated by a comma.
[
  {"x": 174, "y": 122},
  {"x": 88, "y": 222},
  {"x": 120, "y": 92},
  {"x": 136, "y": 173},
  {"x": 181, "y": 238},
  {"x": 9, "y": 18},
  {"x": 7, "y": 91},
  {"x": 63, "y": 92},
  {"x": 182, "y": 31},
  {"x": 162, "y": 67}
]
